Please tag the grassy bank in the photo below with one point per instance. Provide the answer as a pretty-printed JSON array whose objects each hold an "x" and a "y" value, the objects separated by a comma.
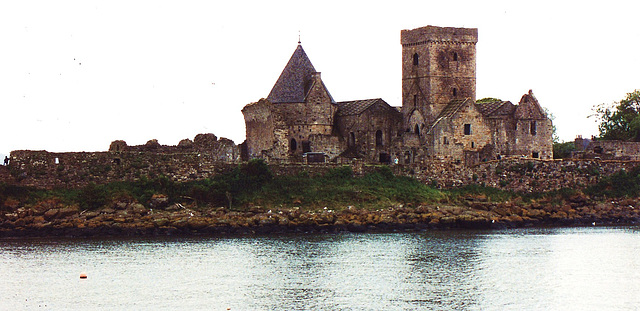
[{"x": 252, "y": 184}]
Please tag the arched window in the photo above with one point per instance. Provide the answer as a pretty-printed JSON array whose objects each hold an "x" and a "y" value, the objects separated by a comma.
[
  {"x": 293, "y": 145},
  {"x": 378, "y": 138},
  {"x": 416, "y": 59}
]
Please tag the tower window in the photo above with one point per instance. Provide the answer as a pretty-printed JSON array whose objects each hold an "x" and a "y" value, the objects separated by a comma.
[
  {"x": 415, "y": 100},
  {"x": 445, "y": 141},
  {"x": 293, "y": 145},
  {"x": 417, "y": 129},
  {"x": 455, "y": 56},
  {"x": 352, "y": 139},
  {"x": 535, "y": 155},
  {"x": 467, "y": 129},
  {"x": 455, "y": 91},
  {"x": 534, "y": 128},
  {"x": 416, "y": 58}
]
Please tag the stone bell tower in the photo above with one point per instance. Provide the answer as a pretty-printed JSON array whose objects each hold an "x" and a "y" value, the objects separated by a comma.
[{"x": 438, "y": 66}]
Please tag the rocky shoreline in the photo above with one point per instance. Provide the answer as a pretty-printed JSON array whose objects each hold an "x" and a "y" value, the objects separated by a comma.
[{"x": 51, "y": 218}]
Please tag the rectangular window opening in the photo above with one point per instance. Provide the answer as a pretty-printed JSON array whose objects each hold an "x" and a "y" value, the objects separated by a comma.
[
  {"x": 534, "y": 128},
  {"x": 467, "y": 129}
]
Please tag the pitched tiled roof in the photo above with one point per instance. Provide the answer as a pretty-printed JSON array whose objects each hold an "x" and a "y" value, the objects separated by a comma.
[
  {"x": 356, "y": 107},
  {"x": 496, "y": 109},
  {"x": 452, "y": 107},
  {"x": 295, "y": 79}
]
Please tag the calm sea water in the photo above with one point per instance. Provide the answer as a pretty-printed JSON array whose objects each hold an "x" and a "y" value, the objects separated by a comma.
[{"x": 530, "y": 269}]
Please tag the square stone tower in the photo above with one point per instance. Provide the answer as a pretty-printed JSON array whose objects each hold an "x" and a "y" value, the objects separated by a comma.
[{"x": 438, "y": 66}]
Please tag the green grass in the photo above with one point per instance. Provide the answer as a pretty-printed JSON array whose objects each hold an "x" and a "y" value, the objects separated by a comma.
[{"x": 253, "y": 183}]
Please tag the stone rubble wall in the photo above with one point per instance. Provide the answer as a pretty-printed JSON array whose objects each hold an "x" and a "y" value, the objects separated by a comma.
[
  {"x": 76, "y": 169},
  {"x": 518, "y": 174},
  {"x": 49, "y": 170}
]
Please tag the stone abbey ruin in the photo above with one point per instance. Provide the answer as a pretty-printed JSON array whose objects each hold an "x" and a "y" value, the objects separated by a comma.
[
  {"x": 439, "y": 120},
  {"x": 440, "y": 134}
]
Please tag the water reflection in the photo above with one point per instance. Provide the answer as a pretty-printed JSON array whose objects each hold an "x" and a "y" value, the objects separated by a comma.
[{"x": 530, "y": 269}]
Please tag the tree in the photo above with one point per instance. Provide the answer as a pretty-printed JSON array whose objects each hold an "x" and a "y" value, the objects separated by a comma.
[{"x": 620, "y": 120}]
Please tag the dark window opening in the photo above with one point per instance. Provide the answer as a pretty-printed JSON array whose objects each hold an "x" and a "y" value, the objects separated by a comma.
[
  {"x": 116, "y": 161},
  {"x": 445, "y": 141},
  {"x": 597, "y": 150},
  {"x": 407, "y": 158},
  {"x": 473, "y": 145},
  {"x": 455, "y": 56},
  {"x": 455, "y": 92},
  {"x": 306, "y": 146},
  {"x": 352, "y": 139},
  {"x": 467, "y": 129},
  {"x": 415, "y": 59},
  {"x": 534, "y": 128},
  {"x": 385, "y": 158},
  {"x": 293, "y": 145},
  {"x": 534, "y": 155},
  {"x": 378, "y": 138},
  {"x": 416, "y": 129},
  {"x": 415, "y": 100}
]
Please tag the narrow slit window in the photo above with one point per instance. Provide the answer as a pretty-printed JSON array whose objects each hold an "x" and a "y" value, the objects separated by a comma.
[
  {"x": 455, "y": 92},
  {"x": 416, "y": 59},
  {"x": 455, "y": 56},
  {"x": 534, "y": 128},
  {"x": 378, "y": 138}
]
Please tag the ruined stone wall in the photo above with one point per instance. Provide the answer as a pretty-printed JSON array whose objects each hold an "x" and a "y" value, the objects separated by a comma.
[
  {"x": 49, "y": 170},
  {"x": 374, "y": 131},
  {"x": 457, "y": 140},
  {"x": 517, "y": 174},
  {"x": 259, "y": 124},
  {"x": 532, "y": 143},
  {"x": 609, "y": 149},
  {"x": 76, "y": 169}
]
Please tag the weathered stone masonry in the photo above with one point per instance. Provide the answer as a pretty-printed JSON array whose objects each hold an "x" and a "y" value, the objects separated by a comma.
[{"x": 439, "y": 120}]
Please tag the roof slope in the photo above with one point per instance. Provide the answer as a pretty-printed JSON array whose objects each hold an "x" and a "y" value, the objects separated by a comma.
[
  {"x": 496, "y": 109},
  {"x": 356, "y": 107},
  {"x": 295, "y": 80}
]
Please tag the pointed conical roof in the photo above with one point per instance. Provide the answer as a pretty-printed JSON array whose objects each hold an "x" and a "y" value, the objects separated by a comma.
[{"x": 293, "y": 82}]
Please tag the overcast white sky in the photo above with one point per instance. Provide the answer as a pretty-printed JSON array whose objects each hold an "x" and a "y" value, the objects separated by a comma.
[{"x": 76, "y": 75}]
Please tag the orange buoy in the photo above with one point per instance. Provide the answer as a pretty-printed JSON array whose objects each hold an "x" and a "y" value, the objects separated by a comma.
[{"x": 83, "y": 275}]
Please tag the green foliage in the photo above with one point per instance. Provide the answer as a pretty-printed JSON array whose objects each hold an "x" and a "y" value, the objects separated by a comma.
[
  {"x": 620, "y": 120},
  {"x": 488, "y": 100},
  {"x": 492, "y": 194},
  {"x": 563, "y": 150},
  {"x": 620, "y": 184}
]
